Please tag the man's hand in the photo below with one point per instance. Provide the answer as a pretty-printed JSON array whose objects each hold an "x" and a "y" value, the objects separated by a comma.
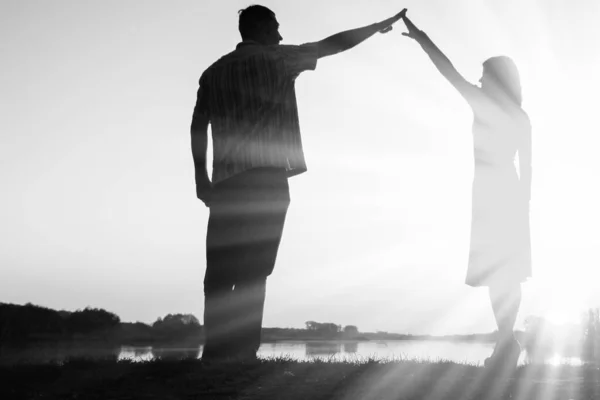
[
  {"x": 204, "y": 191},
  {"x": 413, "y": 31},
  {"x": 346, "y": 40},
  {"x": 389, "y": 22}
]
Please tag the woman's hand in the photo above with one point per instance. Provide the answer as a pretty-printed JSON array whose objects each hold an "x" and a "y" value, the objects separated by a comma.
[
  {"x": 413, "y": 31},
  {"x": 387, "y": 24}
]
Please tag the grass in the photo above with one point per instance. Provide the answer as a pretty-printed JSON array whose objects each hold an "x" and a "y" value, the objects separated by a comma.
[{"x": 285, "y": 378}]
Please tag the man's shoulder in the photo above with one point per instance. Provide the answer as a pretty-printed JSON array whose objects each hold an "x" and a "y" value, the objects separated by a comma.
[
  {"x": 239, "y": 55},
  {"x": 224, "y": 59},
  {"x": 245, "y": 52}
]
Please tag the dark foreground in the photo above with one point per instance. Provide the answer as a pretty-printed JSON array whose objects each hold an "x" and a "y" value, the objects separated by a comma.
[{"x": 287, "y": 379}]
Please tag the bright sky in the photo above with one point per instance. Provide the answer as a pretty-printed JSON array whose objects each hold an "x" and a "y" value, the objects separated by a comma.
[{"x": 98, "y": 202}]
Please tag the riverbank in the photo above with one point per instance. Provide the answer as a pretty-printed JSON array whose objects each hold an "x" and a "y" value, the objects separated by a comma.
[{"x": 283, "y": 378}]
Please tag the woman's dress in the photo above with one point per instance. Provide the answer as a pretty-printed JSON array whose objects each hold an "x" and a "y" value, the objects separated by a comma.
[{"x": 500, "y": 247}]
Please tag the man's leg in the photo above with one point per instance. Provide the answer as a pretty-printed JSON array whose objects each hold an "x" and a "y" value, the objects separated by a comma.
[
  {"x": 250, "y": 300},
  {"x": 268, "y": 201},
  {"x": 221, "y": 258},
  {"x": 217, "y": 301}
]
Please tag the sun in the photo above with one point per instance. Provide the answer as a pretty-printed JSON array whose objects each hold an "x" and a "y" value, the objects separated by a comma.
[{"x": 561, "y": 316}]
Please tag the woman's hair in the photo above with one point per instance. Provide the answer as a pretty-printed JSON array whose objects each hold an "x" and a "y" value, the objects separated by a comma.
[
  {"x": 253, "y": 20},
  {"x": 506, "y": 75}
]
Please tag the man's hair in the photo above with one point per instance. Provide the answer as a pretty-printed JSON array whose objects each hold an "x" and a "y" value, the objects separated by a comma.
[{"x": 253, "y": 19}]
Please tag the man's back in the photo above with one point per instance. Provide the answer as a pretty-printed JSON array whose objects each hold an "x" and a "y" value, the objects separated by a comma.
[{"x": 252, "y": 106}]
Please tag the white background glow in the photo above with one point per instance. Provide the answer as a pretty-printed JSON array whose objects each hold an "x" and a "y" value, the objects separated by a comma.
[{"x": 98, "y": 204}]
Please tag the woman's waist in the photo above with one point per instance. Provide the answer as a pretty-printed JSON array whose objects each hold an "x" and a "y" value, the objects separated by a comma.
[
  {"x": 500, "y": 163},
  {"x": 495, "y": 171},
  {"x": 502, "y": 158}
]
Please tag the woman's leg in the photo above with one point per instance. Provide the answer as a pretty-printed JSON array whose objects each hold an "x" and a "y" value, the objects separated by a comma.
[{"x": 505, "y": 300}]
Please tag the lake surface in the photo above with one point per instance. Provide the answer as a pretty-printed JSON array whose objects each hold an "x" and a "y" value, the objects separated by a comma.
[{"x": 460, "y": 352}]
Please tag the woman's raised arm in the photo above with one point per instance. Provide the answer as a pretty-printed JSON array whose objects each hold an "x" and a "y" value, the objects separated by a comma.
[{"x": 469, "y": 91}]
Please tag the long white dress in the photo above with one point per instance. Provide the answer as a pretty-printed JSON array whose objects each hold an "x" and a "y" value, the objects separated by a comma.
[{"x": 500, "y": 248}]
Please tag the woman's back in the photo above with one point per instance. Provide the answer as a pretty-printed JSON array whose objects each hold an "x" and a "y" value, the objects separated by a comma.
[{"x": 498, "y": 130}]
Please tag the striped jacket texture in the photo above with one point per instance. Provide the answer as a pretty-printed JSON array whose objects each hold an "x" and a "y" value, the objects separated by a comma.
[{"x": 250, "y": 100}]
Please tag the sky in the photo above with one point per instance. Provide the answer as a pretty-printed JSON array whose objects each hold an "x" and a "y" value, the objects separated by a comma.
[{"x": 98, "y": 204}]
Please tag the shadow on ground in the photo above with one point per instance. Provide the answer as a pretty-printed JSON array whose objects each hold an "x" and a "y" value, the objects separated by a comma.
[{"x": 288, "y": 379}]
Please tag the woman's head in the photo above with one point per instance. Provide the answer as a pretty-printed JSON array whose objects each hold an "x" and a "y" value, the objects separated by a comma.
[{"x": 501, "y": 79}]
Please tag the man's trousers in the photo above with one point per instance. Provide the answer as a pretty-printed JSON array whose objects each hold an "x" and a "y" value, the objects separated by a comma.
[{"x": 247, "y": 215}]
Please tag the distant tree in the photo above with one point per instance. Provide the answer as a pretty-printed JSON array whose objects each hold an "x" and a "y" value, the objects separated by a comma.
[
  {"x": 312, "y": 325},
  {"x": 91, "y": 320},
  {"x": 329, "y": 328},
  {"x": 42, "y": 320},
  {"x": 350, "y": 330},
  {"x": 137, "y": 332},
  {"x": 176, "y": 320},
  {"x": 326, "y": 329},
  {"x": 13, "y": 323},
  {"x": 20, "y": 323},
  {"x": 177, "y": 326},
  {"x": 591, "y": 335}
]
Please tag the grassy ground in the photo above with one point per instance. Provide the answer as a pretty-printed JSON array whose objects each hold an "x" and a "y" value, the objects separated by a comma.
[{"x": 287, "y": 379}]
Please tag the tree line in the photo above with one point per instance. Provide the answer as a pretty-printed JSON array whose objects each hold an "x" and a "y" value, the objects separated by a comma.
[
  {"x": 21, "y": 324},
  {"x": 24, "y": 324},
  {"x": 29, "y": 323}
]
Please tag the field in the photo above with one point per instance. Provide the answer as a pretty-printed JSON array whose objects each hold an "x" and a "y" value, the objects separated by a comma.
[{"x": 283, "y": 378}]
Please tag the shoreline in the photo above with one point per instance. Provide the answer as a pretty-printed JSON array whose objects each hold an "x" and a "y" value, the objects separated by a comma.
[{"x": 92, "y": 342}]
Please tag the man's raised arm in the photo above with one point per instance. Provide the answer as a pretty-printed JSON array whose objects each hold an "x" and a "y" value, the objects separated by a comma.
[{"x": 348, "y": 39}]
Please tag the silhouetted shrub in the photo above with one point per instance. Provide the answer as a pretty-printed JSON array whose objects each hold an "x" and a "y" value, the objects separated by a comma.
[
  {"x": 21, "y": 323},
  {"x": 177, "y": 326},
  {"x": 91, "y": 320}
]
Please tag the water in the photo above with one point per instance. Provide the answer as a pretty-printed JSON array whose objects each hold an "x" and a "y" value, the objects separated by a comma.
[{"x": 460, "y": 352}]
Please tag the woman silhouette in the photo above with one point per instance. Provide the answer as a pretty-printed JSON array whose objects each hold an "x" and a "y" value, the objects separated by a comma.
[{"x": 500, "y": 251}]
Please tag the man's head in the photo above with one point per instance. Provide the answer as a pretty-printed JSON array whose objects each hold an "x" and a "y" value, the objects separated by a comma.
[{"x": 258, "y": 23}]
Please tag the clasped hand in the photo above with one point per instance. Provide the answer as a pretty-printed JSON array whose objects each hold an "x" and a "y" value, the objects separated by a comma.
[
  {"x": 413, "y": 31},
  {"x": 389, "y": 22}
]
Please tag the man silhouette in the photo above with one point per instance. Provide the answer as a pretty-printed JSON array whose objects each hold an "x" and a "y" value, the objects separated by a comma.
[{"x": 248, "y": 98}]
